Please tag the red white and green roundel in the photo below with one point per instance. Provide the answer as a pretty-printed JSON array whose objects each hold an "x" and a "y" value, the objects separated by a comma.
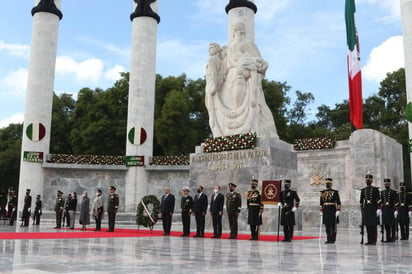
[
  {"x": 35, "y": 131},
  {"x": 137, "y": 136}
]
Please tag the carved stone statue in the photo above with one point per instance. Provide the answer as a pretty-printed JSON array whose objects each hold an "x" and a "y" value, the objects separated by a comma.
[{"x": 234, "y": 95}]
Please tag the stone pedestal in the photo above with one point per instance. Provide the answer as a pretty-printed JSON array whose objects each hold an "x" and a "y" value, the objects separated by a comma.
[{"x": 271, "y": 159}]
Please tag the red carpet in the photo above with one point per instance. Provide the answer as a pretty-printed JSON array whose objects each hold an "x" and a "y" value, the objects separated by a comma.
[{"x": 120, "y": 233}]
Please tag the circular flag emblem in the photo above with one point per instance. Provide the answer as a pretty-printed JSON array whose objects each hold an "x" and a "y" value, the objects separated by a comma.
[
  {"x": 137, "y": 136},
  {"x": 271, "y": 191},
  {"x": 35, "y": 131}
]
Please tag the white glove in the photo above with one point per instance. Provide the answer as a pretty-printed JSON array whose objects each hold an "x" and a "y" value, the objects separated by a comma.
[
  {"x": 395, "y": 214},
  {"x": 410, "y": 214},
  {"x": 378, "y": 213},
  {"x": 337, "y": 213},
  {"x": 29, "y": 209},
  {"x": 321, "y": 213},
  {"x": 294, "y": 209}
]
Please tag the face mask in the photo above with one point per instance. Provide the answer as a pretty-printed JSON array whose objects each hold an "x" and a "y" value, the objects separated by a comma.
[
  {"x": 253, "y": 187},
  {"x": 387, "y": 187},
  {"x": 198, "y": 191},
  {"x": 97, "y": 193},
  {"x": 368, "y": 183},
  {"x": 215, "y": 190},
  {"x": 328, "y": 186},
  {"x": 231, "y": 189},
  {"x": 287, "y": 186}
]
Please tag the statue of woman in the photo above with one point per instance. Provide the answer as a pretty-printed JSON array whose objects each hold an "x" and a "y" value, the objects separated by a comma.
[{"x": 234, "y": 97}]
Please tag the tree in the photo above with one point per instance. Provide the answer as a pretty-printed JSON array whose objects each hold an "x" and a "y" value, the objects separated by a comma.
[
  {"x": 297, "y": 115},
  {"x": 61, "y": 125},
  {"x": 10, "y": 149}
]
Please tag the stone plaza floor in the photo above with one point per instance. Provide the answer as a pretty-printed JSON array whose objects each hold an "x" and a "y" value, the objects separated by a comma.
[{"x": 200, "y": 255}]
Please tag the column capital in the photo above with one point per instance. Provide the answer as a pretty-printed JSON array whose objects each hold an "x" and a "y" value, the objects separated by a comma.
[
  {"x": 47, "y": 6},
  {"x": 143, "y": 9},
  {"x": 239, "y": 4}
]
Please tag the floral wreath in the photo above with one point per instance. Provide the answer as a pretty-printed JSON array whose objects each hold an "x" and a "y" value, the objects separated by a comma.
[{"x": 143, "y": 216}]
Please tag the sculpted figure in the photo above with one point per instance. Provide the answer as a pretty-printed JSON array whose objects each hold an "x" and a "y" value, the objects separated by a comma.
[{"x": 234, "y": 95}]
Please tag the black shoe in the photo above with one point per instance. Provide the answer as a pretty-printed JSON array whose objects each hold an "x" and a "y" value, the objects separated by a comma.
[
  {"x": 165, "y": 234},
  {"x": 56, "y": 227},
  {"x": 214, "y": 236},
  {"x": 196, "y": 236},
  {"x": 232, "y": 237},
  {"x": 109, "y": 230}
]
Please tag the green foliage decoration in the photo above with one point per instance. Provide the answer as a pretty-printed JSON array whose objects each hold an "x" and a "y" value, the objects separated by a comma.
[{"x": 141, "y": 216}]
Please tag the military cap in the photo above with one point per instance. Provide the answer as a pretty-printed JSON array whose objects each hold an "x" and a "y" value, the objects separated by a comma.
[
  {"x": 402, "y": 184},
  {"x": 254, "y": 182},
  {"x": 38, "y": 196},
  {"x": 232, "y": 184},
  {"x": 59, "y": 192},
  {"x": 112, "y": 187},
  {"x": 368, "y": 176},
  {"x": 329, "y": 180},
  {"x": 186, "y": 189},
  {"x": 387, "y": 181},
  {"x": 99, "y": 190},
  {"x": 287, "y": 181}
]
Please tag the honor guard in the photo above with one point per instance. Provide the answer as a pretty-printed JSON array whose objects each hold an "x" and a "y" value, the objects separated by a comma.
[
  {"x": 329, "y": 209},
  {"x": 389, "y": 201},
  {"x": 255, "y": 209},
  {"x": 12, "y": 207},
  {"x": 187, "y": 209},
  {"x": 233, "y": 207},
  {"x": 58, "y": 208},
  {"x": 405, "y": 210},
  {"x": 37, "y": 210},
  {"x": 289, "y": 200},
  {"x": 369, "y": 203},
  {"x": 112, "y": 207},
  {"x": 26, "y": 209}
]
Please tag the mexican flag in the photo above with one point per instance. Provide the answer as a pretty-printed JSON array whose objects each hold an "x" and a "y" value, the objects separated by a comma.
[
  {"x": 35, "y": 131},
  {"x": 137, "y": 135},
  {"x": 354, "y": 66}
]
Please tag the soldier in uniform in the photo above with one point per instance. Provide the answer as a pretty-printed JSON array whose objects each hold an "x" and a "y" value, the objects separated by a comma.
[
  {"x": 37, "y": 211},
  {"x": 329, "y": 209},
  {"x": 370, "y": 202},
  {"x": 12, "y": 207},
  {"x": 233, "y": 207},
  {"x": 405, "y": 211},
  {"x": 255, "y": 209},
  {"x": 112, "y": 206},
  {"x": 389, "y": 201},
  {"x": 289, "y": 200},
  {"x": 26, "y": 209},
  {"x": 58, "y": 208},
  {"x": 187, "y": 208}
]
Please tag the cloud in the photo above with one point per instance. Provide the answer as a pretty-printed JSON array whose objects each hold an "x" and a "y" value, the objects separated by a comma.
[
  {"x": 17, "y": 118},
  {"x": 385, "y": 58},
  {"x": 114, "y": 73},
  {"x": 88, "y": 70},
  {"x": 15, "y": 49},
  {"x": 14, "y": 83},
  {"x": 390, "y": 7},
  {"x": 271, "y": 8}
]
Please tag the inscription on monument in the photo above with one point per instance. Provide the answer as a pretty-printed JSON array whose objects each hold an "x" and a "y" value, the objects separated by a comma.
[{"x": 232, "y": 155}]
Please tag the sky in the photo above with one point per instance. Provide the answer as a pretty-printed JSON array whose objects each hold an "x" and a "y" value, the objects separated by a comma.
[{"x": 304, "y": 42}]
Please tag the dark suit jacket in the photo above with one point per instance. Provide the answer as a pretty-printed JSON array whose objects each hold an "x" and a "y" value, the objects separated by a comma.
[
  {"x": 167, "y": 204},
  {"x": 200, "y": 203},
  {"x": 216, "y": 205}
]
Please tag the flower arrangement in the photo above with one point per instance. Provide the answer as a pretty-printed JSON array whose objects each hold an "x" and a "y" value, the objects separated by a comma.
[
  {"x": 233, "y": 142},
  {"x": 143, "y": 216},
  {"x": 86, "y": 159},
  {"x": 171, "y": 160},
  {"x": 314, "y": 143}
]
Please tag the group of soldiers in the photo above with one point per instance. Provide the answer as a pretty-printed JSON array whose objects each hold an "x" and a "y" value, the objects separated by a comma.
[
  {"x": 198, "y": 206},
  {"x": 388, "y": 208}
]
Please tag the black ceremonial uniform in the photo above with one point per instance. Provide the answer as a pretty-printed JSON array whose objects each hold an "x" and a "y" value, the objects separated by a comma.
[
  {"x": 233, "y": 207},
  {"x": 26, "y": 210},
  {"x": 12, "y": 209},
  {"x": 187, "y": 208},
  {"x": 329, "y": 205},
  {"x": 389, "y": 201},
  {"x": 254, "y": 206},
  {"x": 37, "y": 212},
  {"x": 369, "y": 202},
  {"x": 288, "y": 199},
  {"x": 405, "y": 205}
]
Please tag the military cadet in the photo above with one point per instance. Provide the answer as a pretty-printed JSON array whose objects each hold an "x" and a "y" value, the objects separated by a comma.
[
  {"x": 12, "y": 207},
  {"x": 167, "y": 208},
  {"x": 289, "y": 200},
  {"x": 233, "y": 207},
  {"x": 187, "y": 208},
  {"x": 200, "y": 209},
  {"x": 112, "y": 207},
  {"x": 389, "y": 201},
  {"x": 26, "y": 209},
  {"x": 255, "y": 209},
  {"x": 405, "y": 211},
  {"x": 216, "y": 209},
  {"x": 370, "y": 202},
  {"x": 58, "y": 208},
  {"x": 37, "y": 211},
  {"x": 329, "y": 208}
]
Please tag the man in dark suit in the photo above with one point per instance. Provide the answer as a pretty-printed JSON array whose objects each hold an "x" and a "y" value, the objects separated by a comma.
[
  {"x": 200, "y": 208},
  {"x": 167, "y": 207},
  {"x": 216, "y": 209}
]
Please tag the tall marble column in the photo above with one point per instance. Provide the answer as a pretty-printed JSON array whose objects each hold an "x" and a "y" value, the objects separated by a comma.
[
  {"x": 242, "y": 11},
  {"x": 39, "y": 95},
  {"x": 406, "y": 13},
  {"x": 140, "y": 119}
]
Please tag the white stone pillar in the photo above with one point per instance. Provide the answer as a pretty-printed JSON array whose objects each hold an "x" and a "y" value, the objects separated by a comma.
[
  {"x": 141, "y": 98},
  {"x": 244, "y": 14},
  {"x": 39, "y": 96},
  {"x": 406, "y": 13}
]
